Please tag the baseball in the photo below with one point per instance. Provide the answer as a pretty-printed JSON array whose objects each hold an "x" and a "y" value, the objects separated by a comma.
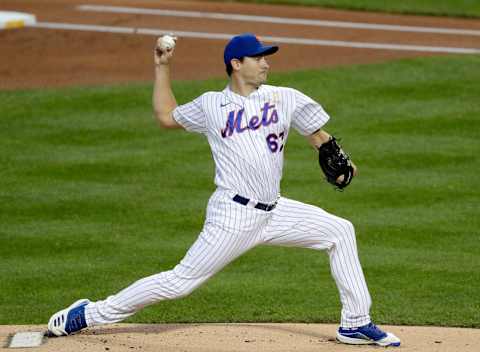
[{"x": 167, "y": 43}]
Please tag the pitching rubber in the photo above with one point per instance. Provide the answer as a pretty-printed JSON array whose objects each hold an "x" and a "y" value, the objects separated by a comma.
[{"x": 26, "y": 340}]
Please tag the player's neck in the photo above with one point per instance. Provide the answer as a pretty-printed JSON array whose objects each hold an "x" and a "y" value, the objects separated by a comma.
[{"x": 241, "y": 88}]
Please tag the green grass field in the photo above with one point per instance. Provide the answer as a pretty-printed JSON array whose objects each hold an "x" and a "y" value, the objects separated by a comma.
[
  {"x": 460, "y": 8},
  {"x": 94, "y": 196}
]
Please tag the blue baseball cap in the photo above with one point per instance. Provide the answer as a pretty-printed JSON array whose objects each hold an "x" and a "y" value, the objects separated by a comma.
[{"x": 246, "y": 44}]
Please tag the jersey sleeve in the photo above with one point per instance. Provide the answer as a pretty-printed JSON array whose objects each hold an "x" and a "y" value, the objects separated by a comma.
[
  {"x": 308, "y": 116},
  {"x": 191, "y": 116}
]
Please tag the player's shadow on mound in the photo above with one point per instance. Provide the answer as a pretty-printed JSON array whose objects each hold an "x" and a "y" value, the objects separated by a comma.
[
  {"x": 163, "y": 328},
  {"x": 136, "y": 329},
  {"x": 294, "y": 331}
]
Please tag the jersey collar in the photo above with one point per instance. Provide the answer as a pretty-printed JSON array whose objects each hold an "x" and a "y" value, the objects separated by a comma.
[{"x": 237, "y": 99}]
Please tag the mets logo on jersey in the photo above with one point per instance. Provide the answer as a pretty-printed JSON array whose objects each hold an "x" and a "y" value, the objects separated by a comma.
[{"x": 235, "y": 119}]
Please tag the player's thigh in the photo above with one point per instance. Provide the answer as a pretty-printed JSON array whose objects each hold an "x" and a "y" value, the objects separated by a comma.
[
  {"x": 297, "y": 224},
  {"x": 214, "y": 248},
  {"x": 230, "y": 230}
]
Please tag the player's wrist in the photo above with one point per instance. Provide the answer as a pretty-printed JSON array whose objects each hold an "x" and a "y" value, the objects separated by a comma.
[{"x": 162, "y": 67}]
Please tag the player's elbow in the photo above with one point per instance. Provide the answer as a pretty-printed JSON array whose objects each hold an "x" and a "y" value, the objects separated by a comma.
[{"x": 165, "y": 120}]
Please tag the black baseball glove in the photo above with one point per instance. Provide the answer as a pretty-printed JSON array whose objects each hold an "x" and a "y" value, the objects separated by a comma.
[{"x": 335, "y": 163}]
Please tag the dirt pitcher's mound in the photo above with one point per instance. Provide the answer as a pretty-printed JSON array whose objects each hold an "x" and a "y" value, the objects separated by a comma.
[{"x": 241, "y": 337}]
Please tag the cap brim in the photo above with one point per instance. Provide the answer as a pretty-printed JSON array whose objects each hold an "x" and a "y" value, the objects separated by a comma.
[{"x": 265, "y": 50}]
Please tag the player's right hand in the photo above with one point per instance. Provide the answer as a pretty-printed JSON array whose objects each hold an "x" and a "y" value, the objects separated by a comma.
[{"x": 162, "y": 57}]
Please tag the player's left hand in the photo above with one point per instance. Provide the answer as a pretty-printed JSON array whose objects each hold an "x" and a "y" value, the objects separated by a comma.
[
  {"x": 336, "y": 164},
  {"x": 342, "y": 177},
  {"x": 355, "y": 169}
]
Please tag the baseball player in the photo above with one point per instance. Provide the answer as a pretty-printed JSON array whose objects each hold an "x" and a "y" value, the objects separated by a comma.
[{"x": 247, "y": 126}]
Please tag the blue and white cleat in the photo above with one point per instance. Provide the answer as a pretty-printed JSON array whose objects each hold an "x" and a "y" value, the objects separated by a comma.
[
  {"x": 68, "y": 320},
  {"x": 368, "y": 334}
]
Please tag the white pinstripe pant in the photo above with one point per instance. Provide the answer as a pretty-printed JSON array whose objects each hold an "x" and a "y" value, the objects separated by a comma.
[{"x": 230, "y": 230}]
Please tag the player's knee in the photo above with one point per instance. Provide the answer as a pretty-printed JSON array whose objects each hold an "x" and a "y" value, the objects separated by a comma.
[
  {"x": 348, "y": 230},
  {"x": 184, "y": 285},
  {"x": 167, "y": 285},
  {"x": 349, "y": 227},
  {"x": 343, "y": 231},
  {"x": 184, "y": 292}
]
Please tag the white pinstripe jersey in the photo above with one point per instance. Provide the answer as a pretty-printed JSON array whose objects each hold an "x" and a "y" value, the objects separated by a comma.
[{"x": 247, "y": 134}]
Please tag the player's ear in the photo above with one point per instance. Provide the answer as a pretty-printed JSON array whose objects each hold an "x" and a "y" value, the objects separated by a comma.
[{"x": 236, "y": 64}]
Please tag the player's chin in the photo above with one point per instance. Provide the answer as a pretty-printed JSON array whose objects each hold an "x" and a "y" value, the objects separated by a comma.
[{"x": 262, "y": 78}]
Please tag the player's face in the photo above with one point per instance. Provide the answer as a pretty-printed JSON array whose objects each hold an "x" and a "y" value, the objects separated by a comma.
[{"x": 254, "y": 70}]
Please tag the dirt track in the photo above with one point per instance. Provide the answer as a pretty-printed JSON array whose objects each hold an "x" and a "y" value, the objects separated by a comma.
[
  {"x": 244, "y": 337},
  {"x": 43, "y": 57}
]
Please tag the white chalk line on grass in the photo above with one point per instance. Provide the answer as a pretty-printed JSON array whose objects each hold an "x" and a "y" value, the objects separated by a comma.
[
  {"x": 280, "y": 20},
  {"x": 278, "y": 40}
]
